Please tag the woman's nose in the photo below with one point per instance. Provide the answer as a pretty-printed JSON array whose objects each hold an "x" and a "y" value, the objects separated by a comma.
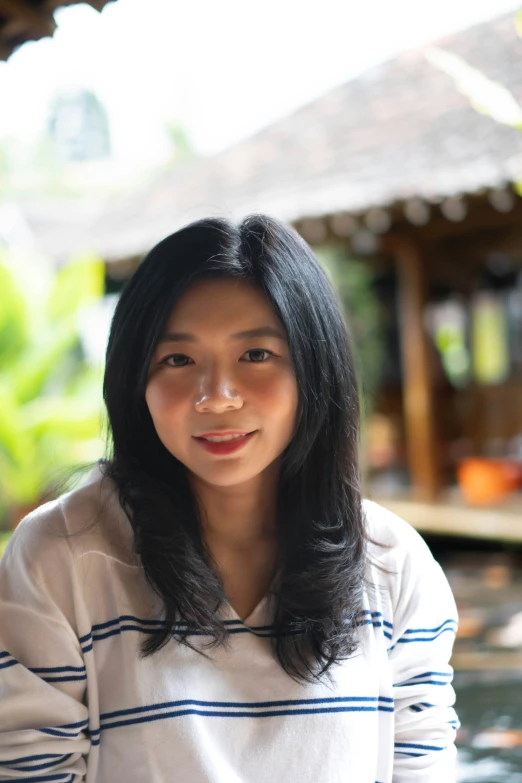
[{"x": 217, "y": 392}]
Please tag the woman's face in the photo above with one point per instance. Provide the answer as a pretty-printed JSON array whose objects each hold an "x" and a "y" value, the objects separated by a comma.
[{"x": 223, "y": 365}]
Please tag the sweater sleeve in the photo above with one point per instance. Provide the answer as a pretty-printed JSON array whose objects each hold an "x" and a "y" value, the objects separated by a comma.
[
  {"x": 424, "y": 627},
  {"x": 43, "y": 714}
]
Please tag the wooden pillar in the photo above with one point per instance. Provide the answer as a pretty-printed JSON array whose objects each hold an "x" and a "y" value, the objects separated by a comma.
[{"x": 418, "y": 391}]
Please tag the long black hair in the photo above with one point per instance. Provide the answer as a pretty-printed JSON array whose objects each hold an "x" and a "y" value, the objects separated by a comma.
[{"x": 320, "y": 521}]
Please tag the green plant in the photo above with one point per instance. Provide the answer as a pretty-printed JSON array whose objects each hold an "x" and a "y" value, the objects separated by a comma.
[
  {"x": 353, "y": 281},
  {"x": 50, "y": 400},
  {"x": 4, "y": 538}
]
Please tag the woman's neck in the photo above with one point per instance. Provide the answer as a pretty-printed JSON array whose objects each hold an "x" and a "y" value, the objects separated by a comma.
[{"x": 240, "y": 517}]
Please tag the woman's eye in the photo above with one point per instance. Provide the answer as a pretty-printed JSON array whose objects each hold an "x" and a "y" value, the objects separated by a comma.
[
  {"x": 256, "y": 352},
  {"x": 179, "y": 360},
  {"x": 256, "y": 355}
]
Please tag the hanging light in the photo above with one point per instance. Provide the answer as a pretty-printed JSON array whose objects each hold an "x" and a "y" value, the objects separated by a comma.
[
  {"x": 454, "y": 209},
  {"x": 378, "y": 221},
  {"x": 502, "y": 200},
  {"x": 313, "y": 230},
  {"x": 417, "y": 211},
  {"x": 343, "y": 225},
  {"x": 364, "y": 242}
]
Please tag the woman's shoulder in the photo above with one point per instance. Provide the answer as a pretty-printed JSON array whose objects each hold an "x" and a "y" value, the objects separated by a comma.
[
  {"x": 391, "y": 538},
  {"x": 88, "y": 518}
]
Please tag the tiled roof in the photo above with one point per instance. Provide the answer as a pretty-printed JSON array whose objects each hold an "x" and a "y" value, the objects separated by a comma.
[
  {"x": 30, "y": 20},
  {"x": 398, "y": 131}
]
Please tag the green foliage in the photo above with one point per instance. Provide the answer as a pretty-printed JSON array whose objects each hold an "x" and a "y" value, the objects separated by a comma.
[
  {"x": 182, "y": 150},
  {"x": 50, "y": 405},
  {"x": 352, "y": 279},
  {"x": 30, "y": 166},
  {"x": 4, "y": 538}
]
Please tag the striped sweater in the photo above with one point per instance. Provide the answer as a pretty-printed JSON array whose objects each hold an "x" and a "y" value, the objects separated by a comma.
[{"x": 77, "y": 703}]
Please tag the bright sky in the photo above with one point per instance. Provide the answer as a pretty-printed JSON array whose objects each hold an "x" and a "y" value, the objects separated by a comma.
[{"x": 222, "y": 68}]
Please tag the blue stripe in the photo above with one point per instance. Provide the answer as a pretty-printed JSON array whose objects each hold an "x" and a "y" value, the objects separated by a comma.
[
  {"x": 53, "y": 669},
  {"x": 420, "y": 707},
  {"x": 377, "y": 614},
  {"x": 65, "y": 679},
  {"x": 34, "y": 768},
  {"x": 95, "y": 737},
  {"x": 338, "y": 702},
  {"x": 431, "y": 630},
  {"x": 125, "y": 618},
  {"x": 376, "y": 624},
  {"x": 7, "y": 664},
  {"x": 425, "y": 638},
  {"x": 447, "y": 625},
  {"x": 417, "y": 746},
  {"x": 117, "y": 625},
  {"x": 39, "y": 671},
  {"x": 25, "y": 759},
  {"x": 78, "y": 725},
  {"x": 210, "y": 714},
  {"x": 117, "y": 631},
  {"x": 419, "y": 682},
  {"x": 180, "y": 713},
  {"x": 4, "y": 654},
  {"x": 432, "y": 674},
  {"x": 58, "y": 731},
  {"x": 65, "y": 778},
  {"x": 242, "y": 704}
]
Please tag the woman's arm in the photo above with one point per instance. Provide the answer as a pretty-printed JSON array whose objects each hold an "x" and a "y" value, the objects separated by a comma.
[
  {"x": 424, "y": 627},
  {"x": 43, "y": 715}
]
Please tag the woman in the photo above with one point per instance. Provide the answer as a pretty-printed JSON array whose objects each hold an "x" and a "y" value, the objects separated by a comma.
[{"x": 217, "y": 603}]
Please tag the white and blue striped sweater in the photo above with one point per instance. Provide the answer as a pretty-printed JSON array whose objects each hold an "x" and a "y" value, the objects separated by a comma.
[{"x": 78, "y": 704}]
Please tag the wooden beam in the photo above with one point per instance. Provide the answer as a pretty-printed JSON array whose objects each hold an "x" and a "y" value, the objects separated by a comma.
[
  {"x": 481, "y": 217},
  {"x": 418, "y": 392},
  {"x": 19, "y": 18},
  {"x": 27, "y": 20}
]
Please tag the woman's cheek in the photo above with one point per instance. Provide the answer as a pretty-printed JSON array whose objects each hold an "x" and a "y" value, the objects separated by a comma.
[
  {"x": 158, "y": 396},
  {"x": 280, "y": 396}
]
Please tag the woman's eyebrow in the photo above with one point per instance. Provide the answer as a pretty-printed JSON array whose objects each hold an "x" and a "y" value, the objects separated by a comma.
[{"x": 261, "y": 331}]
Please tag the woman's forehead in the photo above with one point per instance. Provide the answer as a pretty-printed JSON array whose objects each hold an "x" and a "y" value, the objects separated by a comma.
[{"x": 224, "y": 299}]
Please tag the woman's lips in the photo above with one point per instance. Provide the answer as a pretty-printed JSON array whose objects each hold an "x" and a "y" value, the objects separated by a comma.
[{"x": 225, "y": 446}]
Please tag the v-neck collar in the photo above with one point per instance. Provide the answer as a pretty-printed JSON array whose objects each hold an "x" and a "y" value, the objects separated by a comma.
[{"x": 258, "y": 616}]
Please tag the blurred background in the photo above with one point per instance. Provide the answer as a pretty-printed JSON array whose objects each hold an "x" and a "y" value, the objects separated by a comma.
[{"x": 390, "y": 136}]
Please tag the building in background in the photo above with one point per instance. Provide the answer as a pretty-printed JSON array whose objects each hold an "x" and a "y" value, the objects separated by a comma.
[
  {"x": 397, "y": 167},
  {"x": 79, "y": 128}
]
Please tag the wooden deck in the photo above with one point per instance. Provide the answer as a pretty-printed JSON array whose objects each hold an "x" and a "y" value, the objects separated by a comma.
[
  {"x": 451, "y": 516},
  {"x": 507, "y": 661}
]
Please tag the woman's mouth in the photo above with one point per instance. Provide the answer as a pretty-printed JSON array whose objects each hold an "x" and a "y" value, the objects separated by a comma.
[{"x": 224, "y": 444}]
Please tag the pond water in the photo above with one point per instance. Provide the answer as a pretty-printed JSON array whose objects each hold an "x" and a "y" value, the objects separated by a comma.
[
  {"x": 489, "y": 743},
  {"x": 487, "y": 584}
]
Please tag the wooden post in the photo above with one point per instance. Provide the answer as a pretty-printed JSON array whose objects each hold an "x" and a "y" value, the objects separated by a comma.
[{"x": 418, "y": 392}]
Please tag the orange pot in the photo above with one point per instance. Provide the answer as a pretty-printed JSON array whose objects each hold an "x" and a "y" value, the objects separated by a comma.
[{"x": 485, "y": 481}]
